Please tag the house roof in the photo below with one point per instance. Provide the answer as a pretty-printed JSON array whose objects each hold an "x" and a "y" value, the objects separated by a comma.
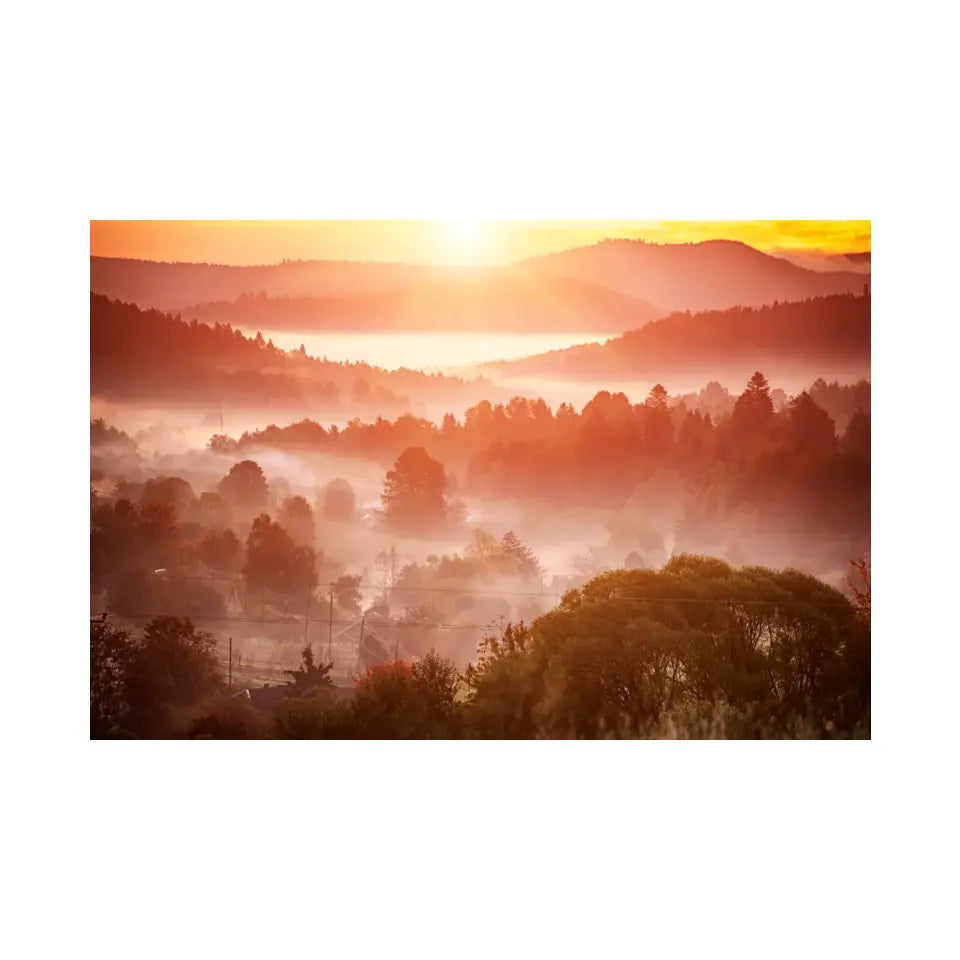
[{"x": 266, "y": 698}]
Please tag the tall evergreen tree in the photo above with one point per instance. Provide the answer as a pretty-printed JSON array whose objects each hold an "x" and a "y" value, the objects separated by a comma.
[
  {"x": 754, "y": 407},
  {"x": 413, "y": 493},
  {"x": 520, "y": 556}
]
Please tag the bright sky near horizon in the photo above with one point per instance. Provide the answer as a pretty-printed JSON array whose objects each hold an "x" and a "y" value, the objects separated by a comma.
[{"x": 246, "y": 242}]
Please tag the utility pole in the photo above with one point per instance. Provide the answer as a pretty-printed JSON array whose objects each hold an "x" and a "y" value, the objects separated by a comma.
[
  {"x": 360, "y": 645},
  {"x": 330, "y": 630},
  {"x": 306, "y": 616},
  {"x": 230, "y": 668}
]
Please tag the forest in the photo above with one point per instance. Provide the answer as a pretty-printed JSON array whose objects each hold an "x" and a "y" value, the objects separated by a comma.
[
  {"x": 146, "y": 355},
  {"x": 671, "y": 474},
  {"x": 689, "y": 469},
  {"x": 373, "y": 553},
  {"x": 834, "y": 328},
  {"x": 697, "y": 649}
]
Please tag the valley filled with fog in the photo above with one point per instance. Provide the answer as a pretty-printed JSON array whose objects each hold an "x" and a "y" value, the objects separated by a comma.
[{"x": 359, "y": 499}]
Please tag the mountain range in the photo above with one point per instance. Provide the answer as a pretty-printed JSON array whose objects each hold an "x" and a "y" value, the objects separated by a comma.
[
  {"x": 483, "y": 301},
  {"x": 712, "y": 275},
  {"x": 611, "y": 286}
]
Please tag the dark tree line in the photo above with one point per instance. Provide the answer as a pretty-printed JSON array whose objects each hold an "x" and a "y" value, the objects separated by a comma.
[
  {"x": 765, "y": 464},
  {"x": 156, "y": 547},
  {"x": 138, "y": 682},
  {"x": 697, "y": 649}
]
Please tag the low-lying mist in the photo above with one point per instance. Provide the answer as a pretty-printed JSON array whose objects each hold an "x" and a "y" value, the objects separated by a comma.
[
  {"x": 506, "y": 550},
  {"x": 788, "y": 375}
]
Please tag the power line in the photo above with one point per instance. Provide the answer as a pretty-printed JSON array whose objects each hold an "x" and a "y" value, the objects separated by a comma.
[
  {"x": 734, "y": 601},
  {"x": 395, "y": 589},
  {"x": 293, "y": 622},
  {"x": 466, "y": 590},
  {"x": 559, "y": 596},
  {"x": 254, "y": 668}
]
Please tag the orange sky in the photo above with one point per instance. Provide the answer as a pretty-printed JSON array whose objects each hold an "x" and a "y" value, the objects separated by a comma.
[{"x": 437, "y": 241}]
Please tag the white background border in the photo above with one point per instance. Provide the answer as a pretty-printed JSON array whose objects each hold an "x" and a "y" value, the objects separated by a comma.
[{"x": 437, "y": 110}]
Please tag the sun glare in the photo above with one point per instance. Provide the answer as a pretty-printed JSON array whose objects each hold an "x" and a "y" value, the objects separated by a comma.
[
  {"x": 465, "y": 241},
  {"x": 249, "y": 243}
]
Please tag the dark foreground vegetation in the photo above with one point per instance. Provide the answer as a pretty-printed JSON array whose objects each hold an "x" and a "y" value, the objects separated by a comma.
[{"x": 697, "y": 649}]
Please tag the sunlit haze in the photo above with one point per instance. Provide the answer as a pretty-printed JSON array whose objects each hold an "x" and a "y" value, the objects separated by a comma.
[{"x": 250, "y": 242}]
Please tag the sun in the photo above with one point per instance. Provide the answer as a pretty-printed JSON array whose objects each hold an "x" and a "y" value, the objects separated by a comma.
[{"x": 465, "y": 241}]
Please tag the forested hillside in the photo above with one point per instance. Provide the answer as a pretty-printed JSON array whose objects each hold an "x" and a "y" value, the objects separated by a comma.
[
  {"x": 148, "y": 355},
  {"x": 831, "y": 329}
]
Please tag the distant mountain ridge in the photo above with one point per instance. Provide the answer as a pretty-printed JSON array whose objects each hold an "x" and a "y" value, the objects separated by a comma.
[
  {"x": 485, "y": 301},
  {"x": 822, "y": 262},
  {"x": 713, "y": 275},
  {"x": 171, "y": 286}
]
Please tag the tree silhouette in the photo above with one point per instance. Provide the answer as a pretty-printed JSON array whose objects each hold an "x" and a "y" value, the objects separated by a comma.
[
  {"x": 403, "y": 701},
  {"x": 753, "y": 410},
  {"x": 346, "y": 592},
  {"x": 221, "y": 550},
  {"x": 657, "y": 398},
  {"x": 275, "y": 562},
  {"x": 413, "y": 493},
  {"x": 856, "y": 438},
  {"x": 339, "y": 500},
  {"x": 519, "y": 556},
  {"x": 245, "y": 486},
  {"x": 296, "y": 517},
  {"x": 812, "y": 429},
  {"x": 859, "y": 583},
  {"x": 310, "y": 677},
  {"x": 173, "y": 664},
  {"x": 221, "y": 443},
  {"x": 657, "y": 425},
  {"x": 173, "y": 490},
  {"x": 110, "y": 652}
]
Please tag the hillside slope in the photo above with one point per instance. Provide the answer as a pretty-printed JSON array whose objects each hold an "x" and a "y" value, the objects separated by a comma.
[
  {"x": 697, "y": 276},
  {"x": 827, "y": 329},
  {"x": 148, "y": 355},
  {"x": 713, "y": 275},
  {"x": 169, "y": 286}
]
